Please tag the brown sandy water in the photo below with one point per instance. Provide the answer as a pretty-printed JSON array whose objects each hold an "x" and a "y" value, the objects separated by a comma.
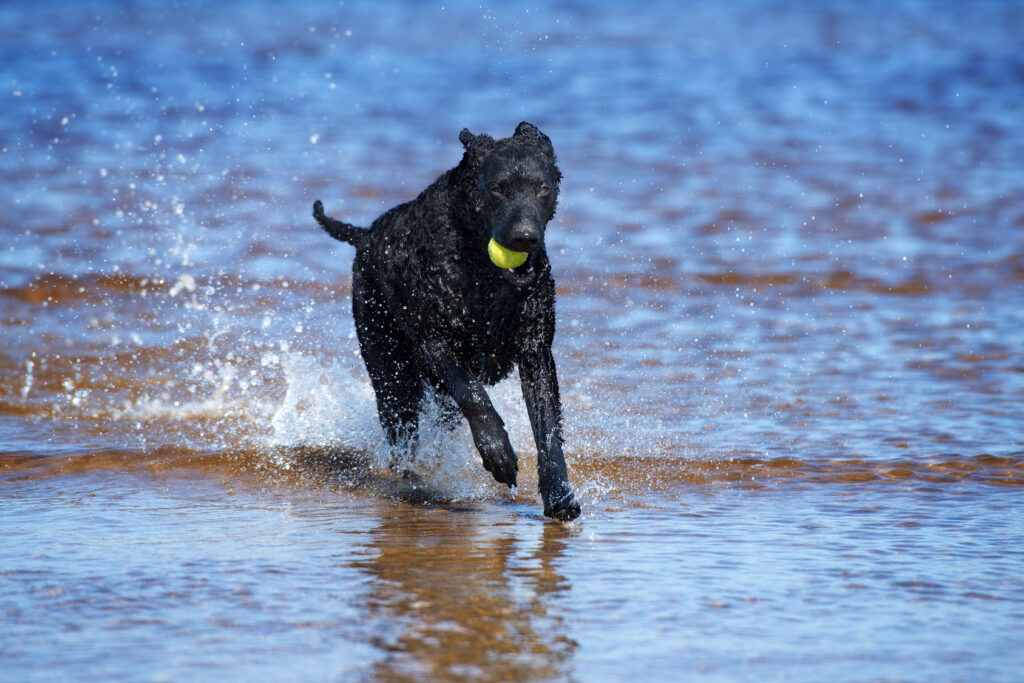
[{"x": 790, "y": 261}]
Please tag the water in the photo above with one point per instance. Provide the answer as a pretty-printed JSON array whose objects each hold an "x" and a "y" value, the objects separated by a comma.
[{"x": 790, "y": 259}]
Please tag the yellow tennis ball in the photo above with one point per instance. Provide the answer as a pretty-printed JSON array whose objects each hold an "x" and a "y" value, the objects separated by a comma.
[{"x": 504, "y": 257}]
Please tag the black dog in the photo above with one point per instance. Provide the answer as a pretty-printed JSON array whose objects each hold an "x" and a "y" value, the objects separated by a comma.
[{"x": 432, "y": 309}]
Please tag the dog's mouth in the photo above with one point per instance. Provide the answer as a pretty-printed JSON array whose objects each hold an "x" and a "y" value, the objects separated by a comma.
[{"x": 521, "y": 275}]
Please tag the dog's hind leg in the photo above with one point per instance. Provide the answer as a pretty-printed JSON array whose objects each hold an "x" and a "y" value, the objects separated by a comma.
[
  {"x": 396, "y": 381},
  {"x": 399, "y": 392}
]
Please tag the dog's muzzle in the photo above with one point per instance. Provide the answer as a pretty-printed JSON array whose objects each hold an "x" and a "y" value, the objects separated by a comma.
[{"x": 524, "y": 274}]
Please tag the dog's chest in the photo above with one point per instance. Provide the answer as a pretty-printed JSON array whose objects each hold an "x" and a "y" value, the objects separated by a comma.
[
  {"x": 492, "y": 315},
  {"x": 492, "y": 321}
]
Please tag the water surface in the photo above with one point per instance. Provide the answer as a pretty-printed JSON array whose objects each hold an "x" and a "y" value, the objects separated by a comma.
[{"x": 790, "y": 267}]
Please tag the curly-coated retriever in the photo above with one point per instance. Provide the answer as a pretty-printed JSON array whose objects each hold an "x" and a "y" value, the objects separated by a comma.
[{"x": 432, "y": 309}]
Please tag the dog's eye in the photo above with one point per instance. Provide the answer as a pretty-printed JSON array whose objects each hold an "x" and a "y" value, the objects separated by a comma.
[
  {"x": 495, "y": 190},
  {"x": 543, "y": 190}
]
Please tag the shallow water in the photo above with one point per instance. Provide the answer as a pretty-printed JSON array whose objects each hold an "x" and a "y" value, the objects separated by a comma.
[{"x": 790, "y": 263}]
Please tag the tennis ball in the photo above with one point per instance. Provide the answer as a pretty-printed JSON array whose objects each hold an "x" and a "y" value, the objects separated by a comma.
[{"x": 504, "y": 257}]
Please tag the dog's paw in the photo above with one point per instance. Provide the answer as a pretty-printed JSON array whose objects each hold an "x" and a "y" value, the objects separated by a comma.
[
  {"x": 564, "y": 507},
  {"x": 499, "y": 458}
]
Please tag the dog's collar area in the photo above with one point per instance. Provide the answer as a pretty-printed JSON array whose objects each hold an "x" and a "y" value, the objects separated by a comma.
[{"x": 522, "y": 275}]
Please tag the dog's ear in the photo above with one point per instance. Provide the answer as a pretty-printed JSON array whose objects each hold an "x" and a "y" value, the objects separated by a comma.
[
  {"x": 531, "y": 132},
  {"x": 526, "y": 129},
  {"x": 475, "y": 143}
]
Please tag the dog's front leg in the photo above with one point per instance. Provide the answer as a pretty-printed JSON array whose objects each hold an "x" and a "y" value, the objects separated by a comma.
[
  {"x": 487, "y": 427},
  {"x": 540, "y": 391}
]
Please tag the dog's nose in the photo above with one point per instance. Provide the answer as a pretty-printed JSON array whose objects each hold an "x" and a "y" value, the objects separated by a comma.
[{"x": 524, "y": 239}]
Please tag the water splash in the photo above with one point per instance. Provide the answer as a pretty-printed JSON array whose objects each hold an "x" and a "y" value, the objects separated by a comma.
[
  {"x": 29, "y": 367},
  {"x": 324, "y": 404},
  {"x": 330, "y": 406}
]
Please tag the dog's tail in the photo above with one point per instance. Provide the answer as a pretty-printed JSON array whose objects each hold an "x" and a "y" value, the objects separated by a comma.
[{"x": 338, "y": 230}]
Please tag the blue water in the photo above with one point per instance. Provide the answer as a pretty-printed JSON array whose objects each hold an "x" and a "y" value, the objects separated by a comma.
[{"x": 790, "y": 264}]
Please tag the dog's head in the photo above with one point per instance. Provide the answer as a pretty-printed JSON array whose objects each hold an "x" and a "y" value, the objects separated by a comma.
[{"x": 515, "y": 192}]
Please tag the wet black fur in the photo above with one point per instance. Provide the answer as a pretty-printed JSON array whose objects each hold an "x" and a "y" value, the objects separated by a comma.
[{"x": 432, "y": 310}]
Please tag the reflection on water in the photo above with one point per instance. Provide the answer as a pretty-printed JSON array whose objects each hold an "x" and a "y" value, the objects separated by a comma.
[
  {"x": 452, "y": 599},
  {"x": 790, "y": 273},
  {"x": 235, "y": 571}
]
